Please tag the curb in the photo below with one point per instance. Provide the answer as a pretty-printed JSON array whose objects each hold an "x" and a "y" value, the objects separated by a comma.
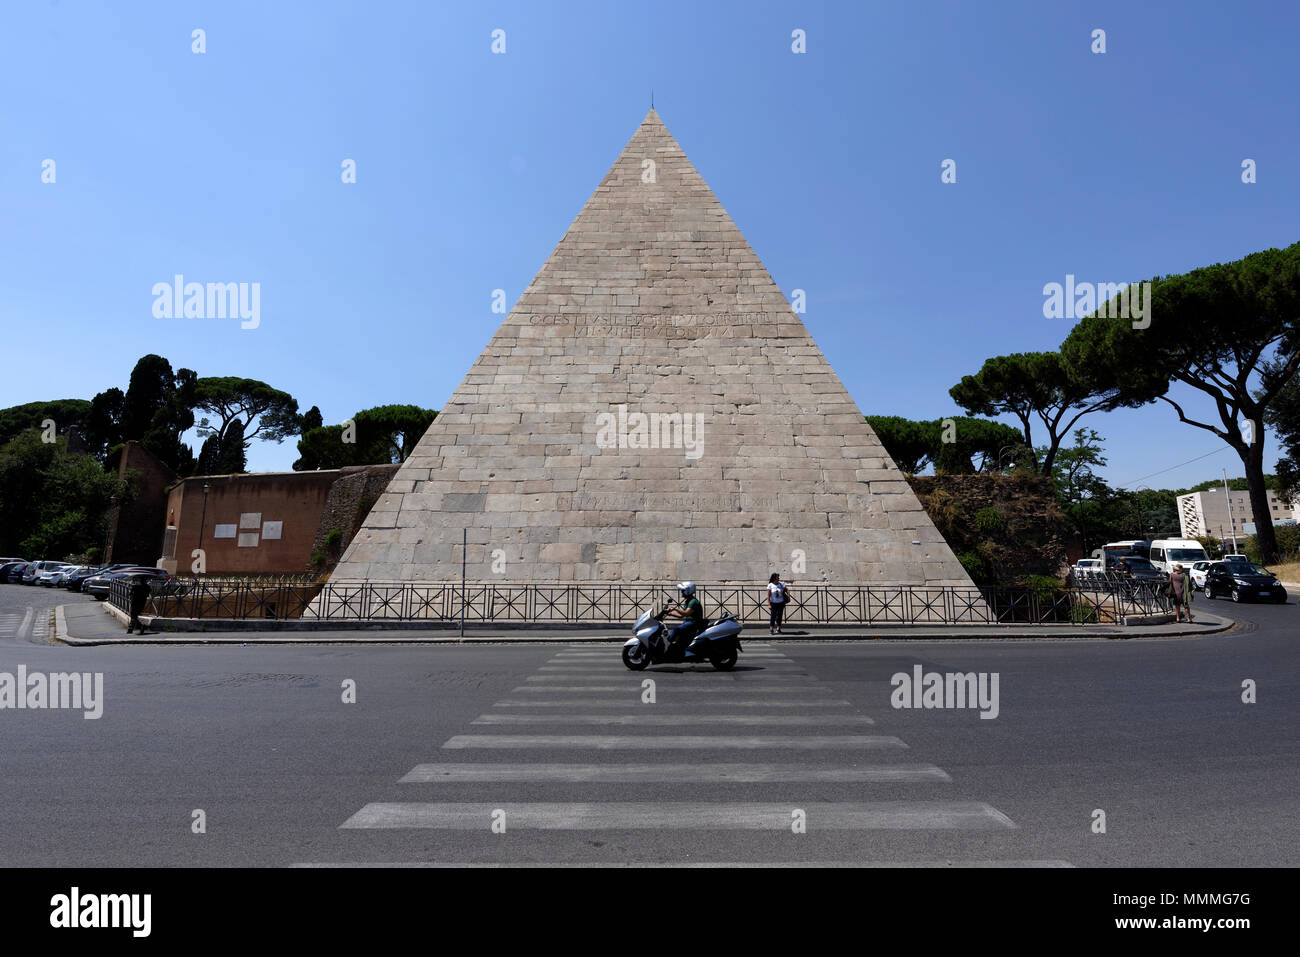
[{"x": 378, "y": 637}]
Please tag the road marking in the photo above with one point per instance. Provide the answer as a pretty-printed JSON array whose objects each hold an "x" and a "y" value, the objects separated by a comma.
[
  {"x": 883, "y": 815},
  {"x": 617, "y": 667},
  {"x": 572, "y": 676},
  {"x": 635, "y": 686},
  {"x": 671, "y": 773},
  {"x": 690, "y": 865},
  {"x": 699, "y": 742},
  {"x": 583, "y": 657},
  {"x": 667, "y": 720},
  {"x": 633, "y": 700},
  {"x": 749, "y": 652}
]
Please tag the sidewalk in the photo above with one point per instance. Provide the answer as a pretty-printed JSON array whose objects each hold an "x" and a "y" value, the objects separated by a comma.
[{"x": 100, "y": 624}]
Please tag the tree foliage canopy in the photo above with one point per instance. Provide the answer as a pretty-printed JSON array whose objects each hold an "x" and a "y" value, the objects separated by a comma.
[
  {"x": 383, "y": 435},
  {"x": 69, "y": 417},
  {"x": 1034, "y": 385},
  {"x": 914, "y": 445},
  {"x": 1228, "y": 331},
  {"x": 54, "y": 502},
  {"x": 247, "y": 401}
]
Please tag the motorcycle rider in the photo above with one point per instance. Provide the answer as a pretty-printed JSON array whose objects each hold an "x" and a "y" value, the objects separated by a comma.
[{"x": 692, "y": 610}]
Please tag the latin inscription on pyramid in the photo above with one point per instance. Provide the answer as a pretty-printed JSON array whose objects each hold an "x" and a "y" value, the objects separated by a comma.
[{"x": 652, "y": 409}]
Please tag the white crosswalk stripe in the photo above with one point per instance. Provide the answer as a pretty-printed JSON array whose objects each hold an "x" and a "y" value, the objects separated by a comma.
[
  {"x": 633, "y": 700},
  {"x": 675, "y": 720},
  {"x": 769, "y": 703},
  {"x": 882, "y": 815},
  {"x": 670, "y": 773},
  {"x": 15, "y": 626},
  {"x": 660, "y": 742},
  {"x": 747, "y": 687}
]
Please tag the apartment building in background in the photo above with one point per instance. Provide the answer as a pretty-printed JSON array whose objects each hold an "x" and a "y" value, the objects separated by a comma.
[{"x": 1208, "y": 513}]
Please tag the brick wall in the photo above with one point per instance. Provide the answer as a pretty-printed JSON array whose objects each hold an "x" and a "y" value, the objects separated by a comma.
[
  {"x": 136, "y": 528},
  {"x": 260, "y": 523}
]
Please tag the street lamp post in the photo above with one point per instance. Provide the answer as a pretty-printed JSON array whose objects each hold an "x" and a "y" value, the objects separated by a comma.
[{"x": 1001, "y": 451}]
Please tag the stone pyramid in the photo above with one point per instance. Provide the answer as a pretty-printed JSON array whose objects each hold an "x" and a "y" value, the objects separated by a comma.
[{"x": 652, "y": 409}]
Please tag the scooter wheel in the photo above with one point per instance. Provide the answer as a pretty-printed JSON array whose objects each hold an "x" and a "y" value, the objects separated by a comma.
[
  {"x": 725, "y": 661},
  {"x": 638, "y": 662}
]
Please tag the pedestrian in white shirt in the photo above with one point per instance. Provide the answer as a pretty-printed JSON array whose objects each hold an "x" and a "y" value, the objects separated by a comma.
[{"x": 777, "y": 597}]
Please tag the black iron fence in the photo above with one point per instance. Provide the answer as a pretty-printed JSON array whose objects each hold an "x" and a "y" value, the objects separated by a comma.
[{"x": 593, "y": 603}]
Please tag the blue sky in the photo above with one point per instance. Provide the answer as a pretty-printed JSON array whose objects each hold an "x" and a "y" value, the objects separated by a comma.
[{"x": 225, "y": 166}]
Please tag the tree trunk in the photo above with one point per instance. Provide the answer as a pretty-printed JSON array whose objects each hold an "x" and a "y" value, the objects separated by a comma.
[{"x": 1252, "y": 457}]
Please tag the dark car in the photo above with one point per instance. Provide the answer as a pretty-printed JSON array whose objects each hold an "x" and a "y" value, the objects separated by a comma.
[
  {"x": 16, "y": 572},
  {"x": 79, "y": 584},
  {"x": 72, "y": 581},
  {"x": 100, "y": 585},
  {"x": 1140, "y": 569},
  {"x": 1244, "y": 582},
  {"x": 9, "y": 567}
]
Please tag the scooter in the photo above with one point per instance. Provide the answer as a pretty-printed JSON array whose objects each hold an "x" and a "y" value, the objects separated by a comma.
[{"x": 718, "y": 642}]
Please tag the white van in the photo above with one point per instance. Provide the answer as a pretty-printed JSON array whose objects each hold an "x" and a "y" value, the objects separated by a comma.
[{"x": 1168, "y": 552}]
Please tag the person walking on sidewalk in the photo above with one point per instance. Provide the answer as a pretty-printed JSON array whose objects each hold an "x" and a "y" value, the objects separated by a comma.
[
  {"x": 1180, "y": 590},
  {"x": 777, "y": 597},
  {"x": 139, "y": 596}
]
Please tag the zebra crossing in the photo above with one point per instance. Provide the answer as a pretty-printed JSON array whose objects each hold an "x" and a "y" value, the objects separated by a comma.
[
  {"x": 585, "y": 726},
  {"x": 15, "y": 626}
]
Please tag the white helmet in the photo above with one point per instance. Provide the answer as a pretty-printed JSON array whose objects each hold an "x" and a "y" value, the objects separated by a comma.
[{"x": 686, "y": 588}]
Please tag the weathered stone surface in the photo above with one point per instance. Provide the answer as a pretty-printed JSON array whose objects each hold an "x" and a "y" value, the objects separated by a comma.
[{"x": 651, "y": 409}]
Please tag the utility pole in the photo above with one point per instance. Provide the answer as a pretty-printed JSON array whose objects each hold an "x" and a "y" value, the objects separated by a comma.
[
  {"x": 464, "y": 544},
  {"x": 204, "y": 520},
  {"x": 1232, "y": 523}
]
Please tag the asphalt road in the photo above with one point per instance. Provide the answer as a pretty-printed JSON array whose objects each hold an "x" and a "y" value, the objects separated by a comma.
[{"x": 1153, "y": 733}]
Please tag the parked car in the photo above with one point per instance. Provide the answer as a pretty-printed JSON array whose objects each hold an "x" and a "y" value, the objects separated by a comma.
[
  {"x": 81, "y": 585},
  {"x": 14, "y": 576},
  {"x": 51, "y": 575},
  {"x": 1243, "y": 582},
  {"x": 1088, "y": 569},
  {"x": 100, "y": 585},
  {"x": 1139, "y": 570},
  {"x": 1197, "y": 572},
  {"x": 1235, "y": 558},
  {"x": 72, "y": 580},
  {"x": 60, "y": 579},
  {"x": 8, "y": 567},
  {"x": 36, "y": 569}
]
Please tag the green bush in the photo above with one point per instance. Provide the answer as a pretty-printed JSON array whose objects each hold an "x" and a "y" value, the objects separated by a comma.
[
  {"x": 989, "y": 521},
  {"x": 1083, "y": 614},
  {"x": 1288, "y": 544},
  {"x": 1042, "y": 586},
  {"x": 977, "y": 566}
]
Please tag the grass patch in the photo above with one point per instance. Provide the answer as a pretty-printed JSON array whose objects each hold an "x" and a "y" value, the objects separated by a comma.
[{"x": 1289, "y": 572}]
